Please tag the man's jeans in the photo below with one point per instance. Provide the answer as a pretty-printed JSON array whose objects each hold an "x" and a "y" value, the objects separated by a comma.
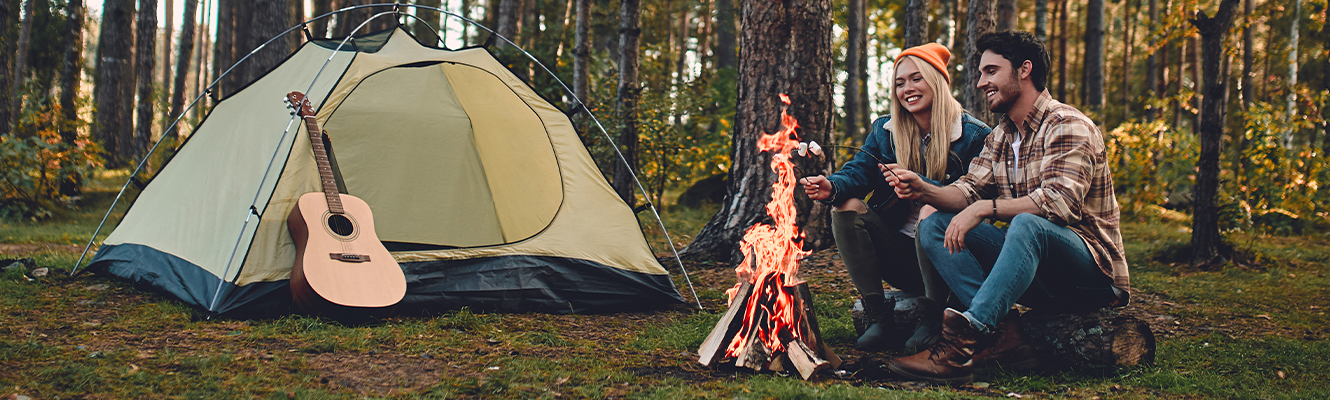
[{"x": 1033, "y": 261}]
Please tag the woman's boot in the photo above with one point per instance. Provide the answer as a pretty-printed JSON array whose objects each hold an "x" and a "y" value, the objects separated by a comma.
[{"x": 879, "y": 313}]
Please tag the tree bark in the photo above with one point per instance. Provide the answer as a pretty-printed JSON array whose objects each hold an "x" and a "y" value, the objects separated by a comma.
[
  {"x": 6, "y": 74},
  {"x": 1094, "y": 55},
  {"x": 425, "y": 32},
  {"x": 630, "y": 30},
  {"x": 786, "y": 49},
  {"x": 1194, "y": 60},
  {"x": 1152, "y": 62},
  {"x": 1062, "y": 51},
  {"x": 224, "y": 48},
  {"x": 1041, "y": 20},
  {"x": 509, "y": 13},
  {"x": 726, "y": 40},
  {"x": 270, "y": 17},
  {"x": 916, "y": 22},
  {"x": 168, "y": 35},
  {"x": 1205, "y": 237},
  {"x": 1248, "y": 54},
  {"x": 978, "y": 21},
  {"x": 1128, "y": 36},
  {"x": 182, "y": 63},
  {"x": 114, "y": 96},
  {"x": 1006, "y": 15},
  {"x": 70, "y": 75},
  {"x": 1292, "y": 74},
  {"x": 945, "y": 23},
  {"x": 21, "y": 61},
  {"x": 145, "y": 59},
  {"x": 582, "y": 53},
  {"x": 854, "y": 66}
]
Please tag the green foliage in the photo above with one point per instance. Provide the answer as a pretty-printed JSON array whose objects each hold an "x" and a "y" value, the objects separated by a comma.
[
  {"x": 1150, "y": 161},
  {"x": 1277, "y": 186},
  {"x": 35, "y": 160}
]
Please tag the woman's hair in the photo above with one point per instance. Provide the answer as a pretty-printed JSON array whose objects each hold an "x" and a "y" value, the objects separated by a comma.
[{"x": 907, "y": 134}]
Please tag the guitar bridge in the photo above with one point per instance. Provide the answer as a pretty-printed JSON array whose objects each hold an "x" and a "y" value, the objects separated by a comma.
[{"x": 349, "y": 257}]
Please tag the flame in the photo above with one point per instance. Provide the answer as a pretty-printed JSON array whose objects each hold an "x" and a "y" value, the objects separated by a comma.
[{"x": 772, "y": 252}]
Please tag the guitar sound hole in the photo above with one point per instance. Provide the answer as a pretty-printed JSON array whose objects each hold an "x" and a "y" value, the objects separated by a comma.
[{"x": 340, "y": 225}]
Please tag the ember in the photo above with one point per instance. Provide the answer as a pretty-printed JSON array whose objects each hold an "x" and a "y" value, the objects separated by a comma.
[{"x": 770, "y": 321}]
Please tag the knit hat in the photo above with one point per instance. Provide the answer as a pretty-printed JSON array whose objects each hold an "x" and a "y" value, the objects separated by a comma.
[{"x": 935, "y": 54}]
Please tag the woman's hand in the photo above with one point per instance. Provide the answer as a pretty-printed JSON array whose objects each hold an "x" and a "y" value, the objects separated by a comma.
[
  {"x": 817, "y": 187},
  {"x": 907, "y": 184}
]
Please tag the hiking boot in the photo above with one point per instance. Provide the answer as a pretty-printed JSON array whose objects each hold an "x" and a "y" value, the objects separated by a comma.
[
  {"x": 1012, "y": 350},
  {"x": 950, "y": 360},
  {"x": 879, "y": 313},
  {"x": 930, "y": 326}
]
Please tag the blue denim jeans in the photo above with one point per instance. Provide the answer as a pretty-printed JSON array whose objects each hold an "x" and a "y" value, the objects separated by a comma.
[{"x": 1033, "y": 261}]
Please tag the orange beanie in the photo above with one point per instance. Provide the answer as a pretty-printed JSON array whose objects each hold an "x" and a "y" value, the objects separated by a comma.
[{"x": 932, "y": 53}]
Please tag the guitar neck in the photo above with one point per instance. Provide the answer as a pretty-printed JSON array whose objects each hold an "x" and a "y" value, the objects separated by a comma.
[{"x": 325, "y": 168}]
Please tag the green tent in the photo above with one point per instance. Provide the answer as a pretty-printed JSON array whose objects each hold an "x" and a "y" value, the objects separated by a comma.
[{"x": 480, "y": 188}]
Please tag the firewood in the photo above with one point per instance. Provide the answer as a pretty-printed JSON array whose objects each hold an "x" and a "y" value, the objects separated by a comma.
[
  {"x": 804, "y": 359},
  {"x": 756, "y": 356},
  {"x": 714, "y": 347},
  {"x": 778, "y": 363},
  {"x": 811, "y": 330}
]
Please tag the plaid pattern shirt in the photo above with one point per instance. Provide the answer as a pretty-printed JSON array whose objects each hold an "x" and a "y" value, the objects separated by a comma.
[{"x": 1063, "y": 167}]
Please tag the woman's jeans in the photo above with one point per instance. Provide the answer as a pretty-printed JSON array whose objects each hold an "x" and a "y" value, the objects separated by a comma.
[{"x": 1032, "y": 261}]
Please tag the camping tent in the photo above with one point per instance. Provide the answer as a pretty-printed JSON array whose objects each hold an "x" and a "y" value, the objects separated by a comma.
[{"x": 481, "y": 189}]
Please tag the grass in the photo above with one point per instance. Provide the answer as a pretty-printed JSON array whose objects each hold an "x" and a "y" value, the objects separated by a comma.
[{"x": 1227, "y": 333}]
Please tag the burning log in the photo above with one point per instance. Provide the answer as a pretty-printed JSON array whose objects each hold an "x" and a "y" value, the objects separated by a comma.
[
  {"x": 1102, "y": 337},
  {"x": 770, "y": 321}
]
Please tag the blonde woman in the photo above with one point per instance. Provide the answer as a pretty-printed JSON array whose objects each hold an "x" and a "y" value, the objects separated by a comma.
[{"x": 874, "y": 230}]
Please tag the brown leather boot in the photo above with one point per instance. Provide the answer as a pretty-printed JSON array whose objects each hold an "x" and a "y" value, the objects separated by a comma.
[
  {"x": 949, "y": 361},
  {"x": 1012, "y": 350}
]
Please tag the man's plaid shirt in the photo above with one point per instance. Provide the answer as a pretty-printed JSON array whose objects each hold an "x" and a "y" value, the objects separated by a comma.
[{"x": 1064, "y": 168}]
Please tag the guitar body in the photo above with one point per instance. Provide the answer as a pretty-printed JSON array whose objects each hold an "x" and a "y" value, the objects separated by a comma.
[{"x": 331, "y": 252}]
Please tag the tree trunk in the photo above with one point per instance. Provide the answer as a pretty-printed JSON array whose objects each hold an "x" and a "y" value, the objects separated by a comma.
[
  {"x": 270, "y": 17},
  {"x": 320, "y": 27},
  {"x": 1041, "y": 20},
  {"x": 145, "y": 58},
  {"x": 425, "y": 32},
  {"x": 1062, "y": 51},
  {"x": 6, "y": 74},
  {"x": 1194, "y": 59},
  {"x": 1248, "y": 54},
  {"x": 916, "y": 22},
  {"x": 168, "y": 35},
  {"x": 786, "y": 49},
  {"x": 1293, "y": 75},
  {"x": 1152, "y": 62},
  {"x": 21, "y": 61},
  {"x": 201, "y": 45},
  {"x": 114, "y": 97},
  {"x": 582, "y": 53},
  {"x": 978, "y": 21},
  {"x": 1006, "y": 15},
  {"x": 1128, "y": 34},
  {"x": 1177, "y": 83},
  {"x": 630, "y": 30},
  {"x": 726, "y": 40},
  {"x": 509, "y": 13},
  {"x": 182, "y": 66},
  {"x": 1205, "y": 237},
  {"x": 224, "y": 48},
  {"x": 854, "y": 66},
  {"x": 1094, "y": 55},
  {"x": 70, "y": 71}
]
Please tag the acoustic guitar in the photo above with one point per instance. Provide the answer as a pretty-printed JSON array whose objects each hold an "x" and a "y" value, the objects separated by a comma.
[{"x": 339, "y": 259}]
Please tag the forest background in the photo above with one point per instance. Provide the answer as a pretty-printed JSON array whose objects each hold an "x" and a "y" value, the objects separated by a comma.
[{"x": 87, "y": 87}]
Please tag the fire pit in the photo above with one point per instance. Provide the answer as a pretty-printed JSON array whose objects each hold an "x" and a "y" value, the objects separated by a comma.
[{"x": 770, "y": 325}]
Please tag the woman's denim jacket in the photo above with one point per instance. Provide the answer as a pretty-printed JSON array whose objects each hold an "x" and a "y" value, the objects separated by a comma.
[{"x": 860, "y": 176}]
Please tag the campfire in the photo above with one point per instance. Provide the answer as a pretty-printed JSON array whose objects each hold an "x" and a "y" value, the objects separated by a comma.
[{"x": 770, "y": 325}]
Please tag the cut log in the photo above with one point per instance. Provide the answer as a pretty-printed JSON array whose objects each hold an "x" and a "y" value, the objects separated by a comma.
[
  {"x": 812, "y": 333},
  {"x": 1091, "y": 338},
  {"x": 714, "y": 347},
  {"x": 757, "y": 356},
  {"x": 1101, "y": 337},
  {"x": 804, "y": 359}
]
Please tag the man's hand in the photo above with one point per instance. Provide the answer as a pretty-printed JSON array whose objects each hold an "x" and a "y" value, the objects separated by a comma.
[
  {"x": 907, "y": 184},
  {"x": 817, "y": 187},
  {"x": 961, "y": 225}
]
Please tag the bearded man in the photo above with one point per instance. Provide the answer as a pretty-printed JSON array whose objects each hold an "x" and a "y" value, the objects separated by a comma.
[{"x": 1044, "y": 171}]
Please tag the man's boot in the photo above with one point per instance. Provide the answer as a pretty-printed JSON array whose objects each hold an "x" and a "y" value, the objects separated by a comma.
[
  {"x": 1012, "y": 350},
  {"x": 929, "y": 330},
  {"x": 879, "y": 313},
  {"x": 949, "y": 361}
]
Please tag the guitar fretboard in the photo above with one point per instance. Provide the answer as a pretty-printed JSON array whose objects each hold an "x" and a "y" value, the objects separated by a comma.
[{"x": 325, "y": 168}]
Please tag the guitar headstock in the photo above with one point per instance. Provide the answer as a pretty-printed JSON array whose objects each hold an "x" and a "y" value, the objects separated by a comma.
[{"x": 300, "y": 103}]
